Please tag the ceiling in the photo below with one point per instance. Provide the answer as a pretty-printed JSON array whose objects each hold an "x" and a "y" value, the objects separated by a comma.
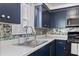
[{"x": 53, "y": 6}]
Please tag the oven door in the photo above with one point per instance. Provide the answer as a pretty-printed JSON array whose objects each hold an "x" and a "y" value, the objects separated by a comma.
[{"x": 74, "y": 48}]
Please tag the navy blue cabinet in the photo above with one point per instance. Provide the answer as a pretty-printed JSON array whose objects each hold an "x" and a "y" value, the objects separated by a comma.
[
  {"x": 60, "y": 47},
  {"x": 45, "y": 16},
  {"x": 44, "y": 51},
  {"x": 52, "y": 48},
  {"x": 48, "y": 50},
  {"x": 12, "y": 10},
  {"x": 42, "y": 16},
  {"x": 38, "y": 16}
]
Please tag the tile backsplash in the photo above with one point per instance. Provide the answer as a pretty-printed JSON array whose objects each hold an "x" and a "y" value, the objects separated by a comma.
[
  {"x": 63, "y": 31},
  {"x": 1, "y": 30},
  {"x": 12, "y": 31},
  {"x": 5, "y": 31}
]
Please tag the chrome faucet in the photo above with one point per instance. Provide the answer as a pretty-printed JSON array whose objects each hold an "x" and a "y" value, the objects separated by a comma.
[
  {"x": 33, "y": 32},
  {"x": 31, "y": 28}
]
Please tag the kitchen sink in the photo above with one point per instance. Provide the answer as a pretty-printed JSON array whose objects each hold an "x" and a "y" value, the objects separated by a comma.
[
  {"x": 32, "y": 43},
  {"x": 40, "y": 41}
]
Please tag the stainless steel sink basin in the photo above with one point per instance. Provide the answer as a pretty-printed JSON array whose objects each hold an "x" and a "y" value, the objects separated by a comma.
[
  {"x": 40, "y": 41},
  {"x": 32, "y": 43}
]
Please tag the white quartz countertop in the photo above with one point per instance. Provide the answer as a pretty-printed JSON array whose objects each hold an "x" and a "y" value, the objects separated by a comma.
[{"x": 8, "y": 49}]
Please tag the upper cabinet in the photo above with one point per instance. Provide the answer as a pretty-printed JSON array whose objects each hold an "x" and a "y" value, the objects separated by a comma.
[
  {"x": 45, "y": 16},
  {"x": 27, "y": 18},
  {"x": 10, "y": 13},
  {"x": 42, "y": 16},
  {"x": 27, "y": 14},
  {"x": 54, "y": 18},
  {"x": 73, "y": 12},
  {"x": 38, "y": 16}
]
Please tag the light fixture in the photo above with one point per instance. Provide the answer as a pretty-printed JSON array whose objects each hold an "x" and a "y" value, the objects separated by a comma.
[
  {"x": 3, "y": 15},
  {"x": 8, "y": 17}
]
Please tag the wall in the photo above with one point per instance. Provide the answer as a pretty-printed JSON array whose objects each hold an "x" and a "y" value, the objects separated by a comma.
[{"x": 58, "y": 19}]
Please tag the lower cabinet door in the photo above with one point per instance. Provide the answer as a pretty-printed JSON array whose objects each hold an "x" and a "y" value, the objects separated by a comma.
[
  {"x": 44, "y": 51},
  {"x": 59, "y": 51},
  {"x": 52, "y": 49},
  {"x": 55, "y": 48},
  {"x": 60, "y": 48}
]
